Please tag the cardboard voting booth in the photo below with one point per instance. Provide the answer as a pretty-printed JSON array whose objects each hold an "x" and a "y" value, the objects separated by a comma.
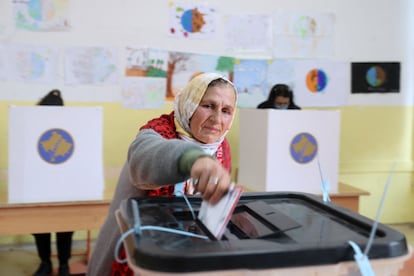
[
  {"x": 289, "y": 150},
  {"x": 55, "y": 154}
]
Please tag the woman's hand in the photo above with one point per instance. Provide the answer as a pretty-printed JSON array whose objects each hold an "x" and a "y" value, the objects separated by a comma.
[{"x": 210, "y": 178}]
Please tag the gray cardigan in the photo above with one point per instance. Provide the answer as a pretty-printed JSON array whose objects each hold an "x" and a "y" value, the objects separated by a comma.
[{"x": 152, "y": 161}]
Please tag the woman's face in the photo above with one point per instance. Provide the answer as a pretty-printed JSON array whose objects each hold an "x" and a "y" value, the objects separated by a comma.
[
  {"x": 282, "y": 102},
  {"x": 214, "y": 114}
]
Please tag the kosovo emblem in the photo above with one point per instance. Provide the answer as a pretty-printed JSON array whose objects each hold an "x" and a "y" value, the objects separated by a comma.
[
  {"x": 55, "y": 146},
  {"x": 303, "y": 148}
]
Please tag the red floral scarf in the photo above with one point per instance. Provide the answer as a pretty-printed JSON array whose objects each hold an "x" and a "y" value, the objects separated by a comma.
[{"x": 165, "y": 126}]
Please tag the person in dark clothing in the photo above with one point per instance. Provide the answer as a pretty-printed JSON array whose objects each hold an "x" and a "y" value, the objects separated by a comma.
[
  {"x": 43, "y": 245},
  {"x": 280, "y": 97},
  {"x": 63, "y": 239}
]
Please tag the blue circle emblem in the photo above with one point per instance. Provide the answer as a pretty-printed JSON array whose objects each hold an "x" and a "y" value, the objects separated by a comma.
[
  {"x": 303, "y": 148},
  {"x": 55, "y": 146}
]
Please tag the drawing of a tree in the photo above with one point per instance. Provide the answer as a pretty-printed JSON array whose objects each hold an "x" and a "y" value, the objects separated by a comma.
[
  {"x": 176, "y": 63},
  {"x": 226, "y": 64}
]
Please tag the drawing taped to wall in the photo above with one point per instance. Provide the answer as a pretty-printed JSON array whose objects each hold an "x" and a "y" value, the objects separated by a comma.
[
  {"x": 248, "y": 32},
  {"x": 321, "y": 83},
  {"x": 45, "y": 15},
  {"x": 189, "y": 20},
  {"x": 91, "y": 65},
  {"x": 146, "y": 62},
  {"x": 176, "y": 68},
  {"x": 183, "y": 66},
  {"x": 250, "y": 79},
  {"x": 375, "y": 77},
  {"x": 30, "y": 64},
  {"x": 303, "y": 34},
  {"x": 143, "y": 92}
]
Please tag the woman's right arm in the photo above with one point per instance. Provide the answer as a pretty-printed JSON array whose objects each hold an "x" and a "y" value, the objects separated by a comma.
[{"x": 154, "y": 161}]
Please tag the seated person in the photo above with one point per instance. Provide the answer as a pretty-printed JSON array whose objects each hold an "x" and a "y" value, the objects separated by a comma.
[
  {"x": 280, "y": 97},
  {"x": 63, "y": 239}
]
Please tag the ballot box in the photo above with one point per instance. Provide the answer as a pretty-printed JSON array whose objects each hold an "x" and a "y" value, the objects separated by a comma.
[
  {"x": 289, "y": 150},
  {"x": 273, "y": 233}
]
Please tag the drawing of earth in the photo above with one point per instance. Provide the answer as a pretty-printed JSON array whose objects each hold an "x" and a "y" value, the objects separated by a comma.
[{"x": 192, "y": 20}]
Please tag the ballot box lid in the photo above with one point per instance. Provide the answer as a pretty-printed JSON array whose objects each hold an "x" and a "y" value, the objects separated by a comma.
[{"x": 267, "y": 230}]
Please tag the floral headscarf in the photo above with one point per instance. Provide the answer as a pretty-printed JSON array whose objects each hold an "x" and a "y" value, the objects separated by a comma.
[{"x": 187, "y": 101}]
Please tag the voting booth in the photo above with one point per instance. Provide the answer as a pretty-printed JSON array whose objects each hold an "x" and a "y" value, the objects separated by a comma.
[
  {"x": 55, "y": 154},
  {"x": 289, "y": 150}
]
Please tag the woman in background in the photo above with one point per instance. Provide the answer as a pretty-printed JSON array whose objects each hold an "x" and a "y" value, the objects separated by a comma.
[
  {"x": 63, "y": 239},
  {"x": 280, "y": 97}
]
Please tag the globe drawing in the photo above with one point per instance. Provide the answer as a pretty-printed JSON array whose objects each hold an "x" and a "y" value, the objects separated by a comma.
[
  {"x": 186, "y": 20},
  {"x": 305, "y": 26},
  {"x": 192, "y": 20},
  {"x": 303, "y": 148},
  {"x": 55, "y": 146},
  {"x": 375, "y": 76},
  {"x": 316, "y": 80}
]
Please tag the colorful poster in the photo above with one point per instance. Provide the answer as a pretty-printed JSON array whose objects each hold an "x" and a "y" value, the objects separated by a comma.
[
  {"x": 157, "y": 63},
  {"x": 248, "y": 32},
  {"x": 136, "y": 60},
  {"x": 280, "y": 71},
  {"x": 250, "y": 81},
  {"x": 303, "y": 35},
  {"x": 26, "y": 63},
  {"x": 190, "y": 20},
  {"x": 184, "y": 66},
  {"x": 375, "y": 77},
  {"x": 141, "y": 62},
  {"x": 93, "y": 65},
  {"x": 42, "y": 15},
  {"x": 143, "y": 93},
  {"x": 321, "y": 83}
]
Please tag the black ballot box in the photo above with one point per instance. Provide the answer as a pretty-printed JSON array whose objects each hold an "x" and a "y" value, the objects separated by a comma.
[{"x": 272, "y": 233}]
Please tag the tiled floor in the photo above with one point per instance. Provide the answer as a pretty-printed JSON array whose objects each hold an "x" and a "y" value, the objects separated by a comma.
[{"x": 23, "y": 260}]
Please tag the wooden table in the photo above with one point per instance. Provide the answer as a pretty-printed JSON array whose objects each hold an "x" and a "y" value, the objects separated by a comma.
[
  {"x": 31, "y": 218},
  {"x": 348, "y": 197},
  {"x": 89, "y": 215}
]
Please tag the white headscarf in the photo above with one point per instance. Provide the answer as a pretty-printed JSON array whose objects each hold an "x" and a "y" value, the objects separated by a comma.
[{"x": 187, "y": 101}]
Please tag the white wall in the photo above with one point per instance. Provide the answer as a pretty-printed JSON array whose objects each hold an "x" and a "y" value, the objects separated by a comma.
[{"x": 365, "y": 30}]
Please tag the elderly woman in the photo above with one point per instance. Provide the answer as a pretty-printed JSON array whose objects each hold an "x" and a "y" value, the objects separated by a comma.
[{"x": 188, "y": 145}]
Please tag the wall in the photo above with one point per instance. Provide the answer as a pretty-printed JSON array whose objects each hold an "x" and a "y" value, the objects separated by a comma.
[{"x": 376, "y": 130}]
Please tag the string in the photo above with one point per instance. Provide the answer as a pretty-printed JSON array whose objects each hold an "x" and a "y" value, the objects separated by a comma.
[
  {"x": 325, "y": 185},
  {"x": 362, "y": 258},
  {"x": 188, "y": 204},
  {"x": 138, "y": 228}
]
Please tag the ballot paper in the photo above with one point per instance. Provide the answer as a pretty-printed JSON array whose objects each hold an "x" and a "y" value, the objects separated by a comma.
[{"x": 215, "y": 217}]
